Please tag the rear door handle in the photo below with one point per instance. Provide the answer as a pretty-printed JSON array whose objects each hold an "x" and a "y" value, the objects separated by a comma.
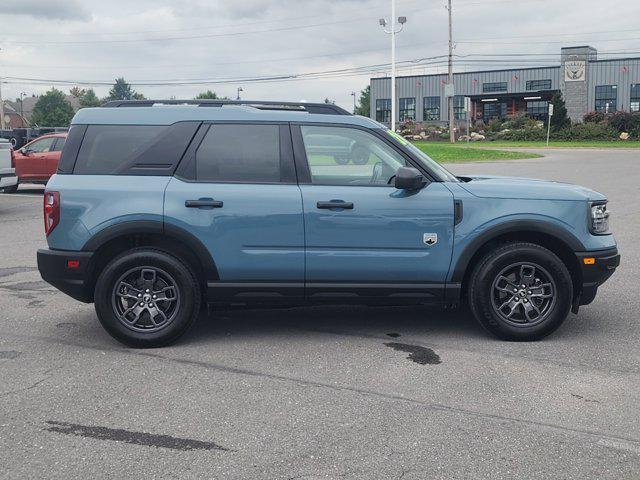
[
  {"x": 203, "y": 203},
  {"x": 335, "y": 204}
]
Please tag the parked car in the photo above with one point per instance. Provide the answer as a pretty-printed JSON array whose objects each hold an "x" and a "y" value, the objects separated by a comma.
[
  {"x": 37, "y": 160},
  {"x": 157, "y": 209}
]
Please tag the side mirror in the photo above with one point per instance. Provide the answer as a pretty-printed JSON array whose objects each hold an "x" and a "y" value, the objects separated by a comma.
[
  {"x": 409, "y": 178},
  {"x": 25, "y": 151}
]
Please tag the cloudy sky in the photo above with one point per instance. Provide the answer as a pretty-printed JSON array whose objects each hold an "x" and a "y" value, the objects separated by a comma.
[{"x": 188, "y": 41}]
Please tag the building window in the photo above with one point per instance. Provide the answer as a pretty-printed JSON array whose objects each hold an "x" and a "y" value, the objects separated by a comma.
[
  {"x": 494, "y": 87},
  {"x": 407, "y": 109},
  {"x": 539, "y": 84},
  {"x": 383, "y": 110},
  {"x": 635, "y": 98},
  {"x": 459, "y": 112},
  {"x": 493, "y": 110},
  {"x": 606, "y": 98},
  {"x": 538, "y": 109},
  {"x": 431, "y": 108}
]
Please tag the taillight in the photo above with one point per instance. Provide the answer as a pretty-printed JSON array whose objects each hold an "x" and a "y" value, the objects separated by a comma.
[
  {"x": 51, "y": 211},
  {"x": 13, "y": 158}
]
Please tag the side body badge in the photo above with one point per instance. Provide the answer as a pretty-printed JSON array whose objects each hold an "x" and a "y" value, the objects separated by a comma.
[{"x": 430, "y": 238}]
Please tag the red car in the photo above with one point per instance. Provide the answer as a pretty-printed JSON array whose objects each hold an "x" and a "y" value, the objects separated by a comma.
[{"x": 37, "y": 160}]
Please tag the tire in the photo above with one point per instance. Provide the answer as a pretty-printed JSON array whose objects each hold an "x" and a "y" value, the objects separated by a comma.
[
  {"x": 10, "y": 189},
  {"x": 510, "y": 312},
  {"x": 138, "y": 275}
]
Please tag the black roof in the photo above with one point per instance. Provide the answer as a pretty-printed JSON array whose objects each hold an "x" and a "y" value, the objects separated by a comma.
[{"x": 321, "y": 108}]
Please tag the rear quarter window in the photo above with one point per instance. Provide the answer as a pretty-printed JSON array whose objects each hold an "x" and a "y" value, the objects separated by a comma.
[{"x": 133, "y": 149}]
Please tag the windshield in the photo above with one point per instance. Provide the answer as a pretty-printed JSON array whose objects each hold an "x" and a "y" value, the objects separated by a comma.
[{"x": 438, "y": 170}]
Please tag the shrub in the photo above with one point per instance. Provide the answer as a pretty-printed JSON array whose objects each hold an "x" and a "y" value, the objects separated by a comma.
[
  {"x": 529, "y": 133},
  {"x": 586, "y": 131},
  {"x": 625, "y": 121},
  {"x": 594, "y": 117}
]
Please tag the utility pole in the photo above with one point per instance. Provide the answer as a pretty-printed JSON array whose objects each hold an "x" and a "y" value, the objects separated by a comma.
[
  {"x": 452, "y": 135},
  {"x": 238, "y": 93},
  {"x": 1, "y": 105},
  {"x": 353, "y": 94}
]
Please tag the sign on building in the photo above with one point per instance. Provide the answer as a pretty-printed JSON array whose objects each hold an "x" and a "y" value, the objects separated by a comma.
[{"x": 575, "y": 70}]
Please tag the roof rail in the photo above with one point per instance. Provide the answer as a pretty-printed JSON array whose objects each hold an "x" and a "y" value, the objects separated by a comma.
[{"x": 321, "y": 108}]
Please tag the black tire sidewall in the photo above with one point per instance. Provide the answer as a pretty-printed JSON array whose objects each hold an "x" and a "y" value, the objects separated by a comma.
[
  {"x": 482, "y": 284},
  {"x": 185, "y": 282}
]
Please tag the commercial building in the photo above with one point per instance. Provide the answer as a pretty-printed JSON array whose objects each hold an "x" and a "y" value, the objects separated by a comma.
[{"x": 586, "y": 83}]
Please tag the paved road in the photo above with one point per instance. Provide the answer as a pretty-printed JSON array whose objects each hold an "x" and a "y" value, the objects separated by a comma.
[{"x": 325, "y": 392}]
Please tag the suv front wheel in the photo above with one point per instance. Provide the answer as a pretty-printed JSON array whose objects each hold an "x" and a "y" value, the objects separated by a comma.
[
  {"x": 520, "y": 291},
  {"x": 147, "y": 298}
]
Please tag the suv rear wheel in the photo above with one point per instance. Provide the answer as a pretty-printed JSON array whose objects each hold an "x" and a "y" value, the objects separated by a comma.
[
  {"x": 147, "y": 298},
  {"x": 520, "y": 291}
]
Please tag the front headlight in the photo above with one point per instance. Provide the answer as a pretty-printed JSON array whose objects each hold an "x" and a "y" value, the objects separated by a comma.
[{"x": 599, "y": 219}]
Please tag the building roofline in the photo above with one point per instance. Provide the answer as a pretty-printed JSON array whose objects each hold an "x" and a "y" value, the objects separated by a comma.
[
  {"x": 465, "y": 73},
  {"x": 624, "y": 59}
]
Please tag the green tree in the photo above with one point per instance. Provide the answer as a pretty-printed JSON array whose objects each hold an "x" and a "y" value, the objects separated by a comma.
[
  {"x": 121, "y": 90},
  {"x": 364, "y": 102},
  {"x": 52, "y": 110},
  {"x": 208, "y": 95},
  {"x": 77, "y": 92},
  {"x": 89, "y": 99},
  {"x": 559, "y": 119}
]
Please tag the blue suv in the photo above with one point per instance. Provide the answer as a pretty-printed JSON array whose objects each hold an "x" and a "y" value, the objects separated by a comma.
[{"x": 160, "y": 207}]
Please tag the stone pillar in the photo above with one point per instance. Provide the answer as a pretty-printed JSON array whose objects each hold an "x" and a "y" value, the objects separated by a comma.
[{"x": 574, "y": 79}]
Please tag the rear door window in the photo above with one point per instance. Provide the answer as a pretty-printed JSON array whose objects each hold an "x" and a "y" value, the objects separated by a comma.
[{"x": 240, "y": 153}]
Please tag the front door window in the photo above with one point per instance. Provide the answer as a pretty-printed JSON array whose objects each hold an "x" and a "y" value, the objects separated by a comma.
[{"x": 349, "y": 156}]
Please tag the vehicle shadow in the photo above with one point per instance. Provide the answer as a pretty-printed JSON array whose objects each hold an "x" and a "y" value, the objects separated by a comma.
[{"x": 368, "y": 322}]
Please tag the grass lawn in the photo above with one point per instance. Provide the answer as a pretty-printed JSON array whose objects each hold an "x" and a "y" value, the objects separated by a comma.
[
  {"x": 563, "y": 144},
  {"x": 460, "y": 152}
]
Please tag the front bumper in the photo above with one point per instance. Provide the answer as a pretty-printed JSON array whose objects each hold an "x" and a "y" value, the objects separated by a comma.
[
  {"x": 68, "y": 271},
  {"x": 596, "y": 273}
]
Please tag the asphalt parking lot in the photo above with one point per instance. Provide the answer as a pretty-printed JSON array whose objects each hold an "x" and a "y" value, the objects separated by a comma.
[{"x": 363, "y": 393}]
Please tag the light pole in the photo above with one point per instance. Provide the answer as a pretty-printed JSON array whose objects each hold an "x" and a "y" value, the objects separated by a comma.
[
  {"x": 238, "y": 95},
  {"x": 22, "y": 95},
  {"x": 392, "y": 31},
  {"x": 353, "y": 94}
]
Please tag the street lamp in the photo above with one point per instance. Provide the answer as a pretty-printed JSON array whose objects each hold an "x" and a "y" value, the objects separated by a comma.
[
  {"x": 238, "y": 95},
  {"x": 392, "y": 31},
  {"x": 353, "y": 94},
  {"x": 22, "y": 95}
]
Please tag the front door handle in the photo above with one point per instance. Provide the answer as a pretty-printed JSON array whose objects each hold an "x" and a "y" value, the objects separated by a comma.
[
  {"x": 203, "y": 203},
  {"x": 335, "y": 204}
]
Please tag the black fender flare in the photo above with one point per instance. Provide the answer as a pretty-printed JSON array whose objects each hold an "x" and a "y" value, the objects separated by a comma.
[
  {"x": 136, "y": 227},
  {"x": 512, "y": 226}
]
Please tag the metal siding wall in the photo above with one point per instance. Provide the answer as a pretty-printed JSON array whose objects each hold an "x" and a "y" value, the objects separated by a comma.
[
  {"x": 419, "y": 87},
  {"x": 609, "y": 72}
]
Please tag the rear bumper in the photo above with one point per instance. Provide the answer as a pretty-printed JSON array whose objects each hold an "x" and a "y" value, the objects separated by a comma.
[
  {"x": 8, "y": 177},
  {"x": 54, "y": 267},
  {"x": 596, "y": 273}
]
